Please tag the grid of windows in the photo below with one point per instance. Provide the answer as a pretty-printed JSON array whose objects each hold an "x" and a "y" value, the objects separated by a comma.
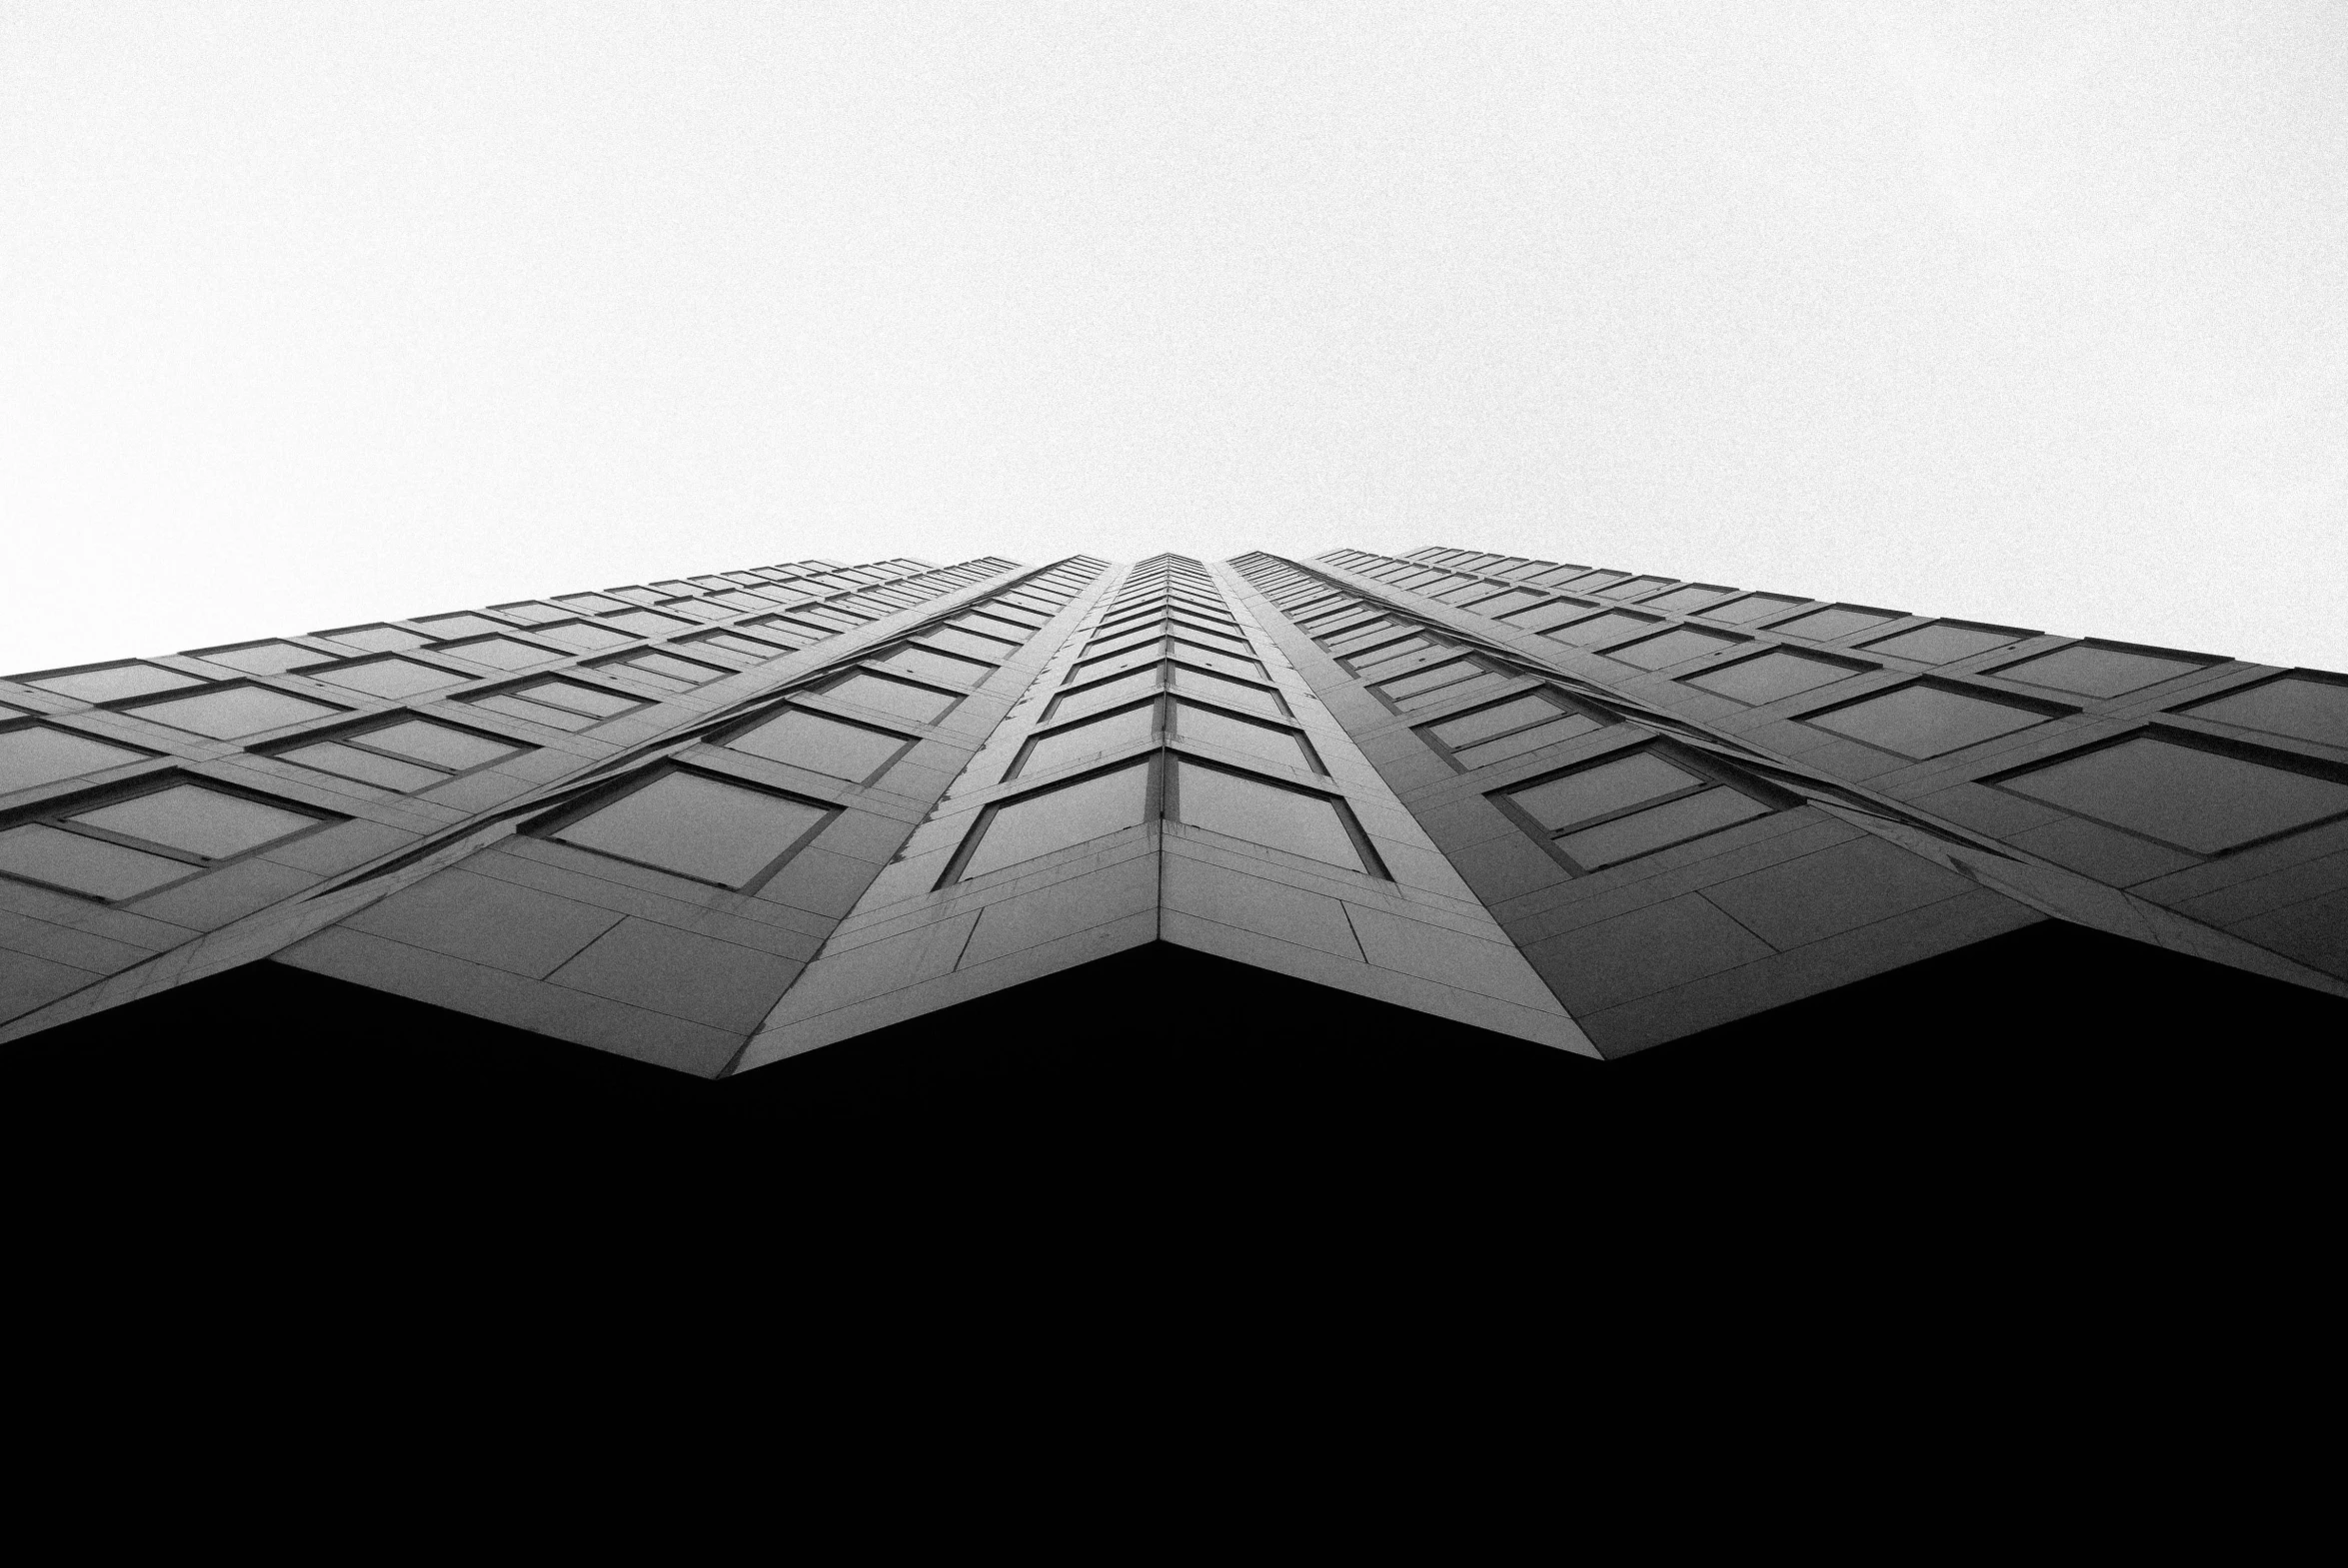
[
  {"x": 134, "y": 844},
  {"x": 405, "y": 755},
  {"x": 1628, "y": 805}
]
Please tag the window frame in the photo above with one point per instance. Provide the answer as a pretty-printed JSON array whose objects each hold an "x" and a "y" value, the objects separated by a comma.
[
  {"x": 53, "y": 813},
  {"x": 1566, "y": 705},
  {"x": 353, "y": 734},
  {"x": 2192, "y": 739},
  {"x": 545, "y": 825},
  {"x": 1710, "y": 773},
  {"x": 723, "y": 738},
  {"x": 514, "y": 689},
  {"x": 12, "y": 722},
  {"x": 2046, "y": 710},
  {"x": 1169, "y": 810}
]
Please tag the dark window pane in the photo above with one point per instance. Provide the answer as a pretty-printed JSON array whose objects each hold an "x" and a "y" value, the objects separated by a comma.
[
  {"x": 263, "y": 659},
  {"x": 1600, "y": 628},
  {"x": 227, "y": 716},
  {"x": 1194, "y": 723},
  {"x": 1772, "y": 675},
  {"x": 697, "y": 828},
  {"x": 2293, "y": 705},
  {"x": 91, "y": 866},
  {"x": 1923, "y": 720},
  {"x": 1058, "y": 819},
  {"x": 198, "y": 820},
  {"x": 348, "y": 762},
  {"x": 1484, "y": 722},
  {"x": 2200, "y": 799},
  {"x": 42, "y": 756},
  {"x": 2097, "y": 672},
  {"x": 1940, "y": 643},
  {"x": 104, "y": 686},
  {"x": 1609, "y": 786},
  {"x": 1751, "y": 608},
  {"x": 1078, "y": 742},
  {"x": 389, "y": 677},
  {"x": 827, "y": 745},
  {"x": 1230, "y": 694},
  {"x": 455, "y": 750},
  {"x": 1658, "y": 826},
  {"x": 917, "y": 702},
  {"x": 1265, "y": 813},
  {"x": 376, "y": 639},
  {"x": 1564, "y": 728},
  {"x": 1675, "y": 647}
]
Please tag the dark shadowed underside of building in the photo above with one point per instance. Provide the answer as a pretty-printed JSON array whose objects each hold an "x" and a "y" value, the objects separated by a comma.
[{"x": 1403, "y": 857}]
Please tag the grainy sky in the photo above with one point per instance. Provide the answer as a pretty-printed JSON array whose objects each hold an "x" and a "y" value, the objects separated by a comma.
[{"x": 321, "y": 313}]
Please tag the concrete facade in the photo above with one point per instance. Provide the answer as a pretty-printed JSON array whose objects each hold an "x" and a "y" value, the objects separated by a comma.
[{"x": 719, "y": 823}]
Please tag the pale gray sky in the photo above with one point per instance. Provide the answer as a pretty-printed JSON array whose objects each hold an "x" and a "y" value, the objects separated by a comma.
[{"x": 321, "y": 313}]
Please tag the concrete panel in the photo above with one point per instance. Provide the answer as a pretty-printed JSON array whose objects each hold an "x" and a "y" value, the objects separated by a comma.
[
  {"x": 1850, "y": 884},
  {"x": 1259, "y": 903},
  {"x": 720, "y": 983},
  {"x": 2101, "y": 852},
  {"x": 2315, "y": 932},
  {"x": 230, "y": 893},
  {"x": 1650, "y": 949},
  {"x": 27, "y": 982},
  {"x": 838, "y": 978},
  {"x": 1062, "y": 909},
  {"x": 1488, "y": 967},
  {"x": 484, "y": 921}
]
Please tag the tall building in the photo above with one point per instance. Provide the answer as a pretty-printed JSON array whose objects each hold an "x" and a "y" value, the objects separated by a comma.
[{"x": 1456, "y": 817}]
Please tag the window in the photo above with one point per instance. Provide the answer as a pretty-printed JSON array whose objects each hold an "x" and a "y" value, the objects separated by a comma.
[
  {"x": 596, "y": 604},
  {"x": 1635, "y": 586},
  {"x": 1211, "y": 659},
  {"x": 375, "y": 639},
  {"x": 737, "y": 643},
  {"x": 261, "y": 659},
  {"x": 929, "y": 665},
  {"x": 884, "y": 694},
  {"x": 1450, "y": 682},
  {"x": 1501, "y": 604},
  {"x": 1511, "y": 728},
  {"x": 559, "y": 705},
  {"x": 1751, "y": 608},
  {"x": 2101, "y": 669},
  {"x": 1603, "y": 628},
  {"x": 991, "y": 625},
  {"x": 1242, "y": 805},
  {"x": 1924, "y": 720},
  {"x": 1767, "y": 677},
  {"x": 461, "y": 625},
  {"x": 586, "y": 637},
  {"x": 2191, "y": 797},
  {"x": 856, "y": 753},
  {"x": 1056, "y": 818},
  {"x": 1945, "y": 640},
  {"x": 1835, "y": 620},
  {"x": 957, "y": 640},
  {"x": 109, "y": 682},
  {"x": 1273, "y": 743},
  {"x": 390, "y": 678},
  {"x": 411, "y": 754},
  {"x": 697, "y": 826},
  {"x": 785, "y": 630},
  {"x": 2305, "y": 706},
  {"x": 1228, "y": 693},
  {"x": 1102, "y": 695},
  {"x": 649, "y": 623},
  {"x": 34, "y": 754},
  {"x": 1694, "y": 595},
  {"x": 135, "y": 844},
  {"x": 1553, "y": 612},
  {"x": 230, "y": 712},
  {"x": 1626, "y": 806},
  {"x": 664, "y": 671},
  {"x": 501, "y": 653},
  {"x": 1675, "y": 647},
  {"x": 529, "y": 611},
  {"x": 1090, "y": 738},
  {"x": 1370, "y": 659}
]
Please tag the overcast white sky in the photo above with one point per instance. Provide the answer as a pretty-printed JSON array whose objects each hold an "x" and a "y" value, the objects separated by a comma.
[{"x": 321, "y": 313}]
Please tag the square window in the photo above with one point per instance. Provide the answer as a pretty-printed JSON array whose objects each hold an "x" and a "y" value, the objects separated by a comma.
[
  {"x": 1053, "y": 819},
  {"x": 1926, "y": 720},
  {"x": 1751, "y": 608},
  {"x": 692, "y": 825},
  {"x": 884, "y": 694},
  {"x": 109, "y": 683},
  {"x": 2102, "y": 669},
  {"x": 1774, "y": 675},
  {"x": 1693, "y": 597},
  {"x": 1501, "y": 603},
  {"x": 36, "y": 754},
  {"x": 1228, "y": 693},
  {"x": 93, "y": 868},
  {"x": 1509, "y": 728},
  {"x": 1625, "y": 807},
  {"x": 928, "y": 663},
  {"x": 1273, "y": 743},
  {"x": 1552, "y": 613},
  {"x": 1102, "y": 695},
  {"x": 822, "y": 743},
  {"x": 375, "y": 639},
  {"x": 584, "y": 636},
  {"x": 1240, "y": 805},
  {"x": 2304, "y": 705},
  {"x": 501, "y": 653},
  {"x": 139, "y": 842},
  {"x": 411, "y": 755},
  {"x": 559, "y": 705},
  {"x": 387, "y": 677},
  {"x": 1635, "y": 586},
  {"x": 261, "y": 659},
  {"x": 1945, "y": 640},
  {"x": 1675, "y": 647},
  {"x": 1603, "y": 628},
  {"x": 231, "y": 712},
  {"x": 461, "y": 625},
  {"x": 1835, "y": 620},
  {"x": 1089, "y": 737},
  {"x": 649, "y": 623},
  {"x": 2190, "y": 797},
  {"x": 593, "y": 604}
]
